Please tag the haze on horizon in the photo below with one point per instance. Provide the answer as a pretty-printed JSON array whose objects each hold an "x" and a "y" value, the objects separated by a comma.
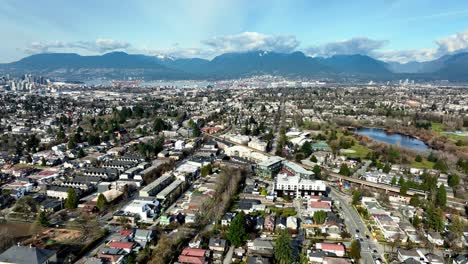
[{"x": 389, "y": 30}]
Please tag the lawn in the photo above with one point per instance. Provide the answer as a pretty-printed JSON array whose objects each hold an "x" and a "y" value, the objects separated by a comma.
[
  {"x": 440, "y": 129},
  {"x": 360, "y": 151},
  {"x": 425, "y": 164}
]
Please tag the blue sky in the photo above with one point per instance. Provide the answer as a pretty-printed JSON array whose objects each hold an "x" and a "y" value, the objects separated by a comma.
[{"x": 400, "y": 30}]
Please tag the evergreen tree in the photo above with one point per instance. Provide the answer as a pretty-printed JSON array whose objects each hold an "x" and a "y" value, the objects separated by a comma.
[
  {"x": 206, "y": 170},
  {"x": 386, "y": 168},
  {"x": 319, "y": 217},
  {"x": 404, "y": 188},
  {"x": 317, "y": 171},
  {"x": 42, "y": 219},
  {"x": 440, "y": 165},
  {"x": 394, "y": 180},
  {"x": 101, "y": 202},
  {"x": 236, "y": 233},
  {"x": 283, "y": 248},
  {"x": 414, "y": 201},
  {"x": 418, "y": 158},
  {"x": 453, "y": 180},
  {"x": 456, "y": 227},
  {"x": 356, "y": 196},
  {"x": 313, "y": 158},
  {"x": 344, "y": 170},
  {"x": 306, "y": 148},
  {"x": 72, "y": 199},
  {"x": 195, "y": 128},
  {"x": 441, "y": 197},
  {"x": 355, "y": 250}
]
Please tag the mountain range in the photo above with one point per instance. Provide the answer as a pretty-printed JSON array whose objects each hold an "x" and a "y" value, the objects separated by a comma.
[{"x": 119, "y": 65}]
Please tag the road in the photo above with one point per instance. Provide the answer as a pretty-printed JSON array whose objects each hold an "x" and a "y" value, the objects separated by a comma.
[
  {"x": 362, "y": 169},
  {"x": 354, "y": 222},
  {"x": 228, "y": 258}
]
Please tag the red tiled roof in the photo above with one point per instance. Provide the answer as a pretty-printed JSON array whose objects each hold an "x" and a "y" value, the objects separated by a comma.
[
  {"x": 195, "y": 252},
  {"x": 47, "y": 173},
  {"x": 319, "y": 205},
  {"x": 125, "y": 245},
  {"x": 191, "y": 260},
  {"x": 330, "y": 246},
  {"x": 126, "y": 232}
]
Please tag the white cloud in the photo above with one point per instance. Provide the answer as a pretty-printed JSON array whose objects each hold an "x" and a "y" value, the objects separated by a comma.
[
  {"x": 100, "y": 45},
  {"x": 248, "y": 41},
  {"x": 363, "y": 46},
  {"x": 452, "y": 44},
  {"x": 404, "y": 56}
]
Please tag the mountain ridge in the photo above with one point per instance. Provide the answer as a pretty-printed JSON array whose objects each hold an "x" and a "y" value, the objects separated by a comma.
[{"x": 119, "y": 64}]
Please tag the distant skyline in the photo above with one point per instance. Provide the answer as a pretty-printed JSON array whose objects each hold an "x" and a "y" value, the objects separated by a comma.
[{"x": 390, "y": 30}]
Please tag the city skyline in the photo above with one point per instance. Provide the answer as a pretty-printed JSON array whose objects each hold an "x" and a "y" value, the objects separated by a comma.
[{"x": 387, "y": 30}]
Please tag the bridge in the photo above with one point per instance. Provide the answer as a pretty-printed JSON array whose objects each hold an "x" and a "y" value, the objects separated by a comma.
[{"x": 453, "y": 201}]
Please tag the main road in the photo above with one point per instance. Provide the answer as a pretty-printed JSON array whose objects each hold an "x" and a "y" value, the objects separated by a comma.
[{"x": 356, "y": 226}]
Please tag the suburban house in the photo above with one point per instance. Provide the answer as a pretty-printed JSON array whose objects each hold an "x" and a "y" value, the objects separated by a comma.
[
  {"x": 337, "y": 249},
  {"x": 28, "y": 254},
  {"x": 194, "y": 256}
]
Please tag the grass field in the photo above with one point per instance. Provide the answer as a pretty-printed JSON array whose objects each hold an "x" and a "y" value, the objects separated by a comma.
[
  {"x": 425, "y": 164},
  {"x": 360, "y": 151}
]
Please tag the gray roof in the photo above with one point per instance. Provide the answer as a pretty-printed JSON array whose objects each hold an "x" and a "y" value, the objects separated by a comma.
[
  {"x": 26, "y": 255},
  {"x": 257, "y": 260}
]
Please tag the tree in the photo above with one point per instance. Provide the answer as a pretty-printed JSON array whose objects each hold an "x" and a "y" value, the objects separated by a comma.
[
  {"x": 306, "y": 148},
  {"x": 42, "y": 219},
  {"x": 159, "y": 125},
  {"x": 72, "y": 199},
  {"x": 264, "y": 192},
  {"x": 432, "y": 157},
  {"x": 101, "y": 202},
  {"x": 195, "y": 129},
  {"x": 416, "y": 221},
  {"x": 440, "y": 165},
  {"x": 317, "y": 171},
  {"x": 355, "y": 250},
  {"x": 394, "y": 181},
  {"x": 283, "y": 248},
  {"x": 401, "y": 181},
  {"x": 418, "y": 158},
  {"x": 404, "y": 188},
  {"x": 319, "y": 217},
  {"x": 414, "y": 201},
  {"x": 386, "y": 168},
  {"x": 71, "y": 143},
  {"x": 441, "y": 197},
  {"x": 456, "y": 227},
  {"x": 344, "y": 170},
  {"x": 453, "y": 180},
  {"x": 81, "y": 153},
  {"x": 206, "y": 170},
  {"x": 438, "y": 220},
  {"x": 313, "y": 158},
  {"x": 236, "y": 233},
  {"x": 356, "y": 196}
]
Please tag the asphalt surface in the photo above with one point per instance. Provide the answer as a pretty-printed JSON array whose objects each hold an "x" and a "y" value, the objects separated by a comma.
[{"x": 354, "y": 222}]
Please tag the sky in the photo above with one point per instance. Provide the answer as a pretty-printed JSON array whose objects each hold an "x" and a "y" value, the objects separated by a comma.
[{"x": 390, "y": 30}]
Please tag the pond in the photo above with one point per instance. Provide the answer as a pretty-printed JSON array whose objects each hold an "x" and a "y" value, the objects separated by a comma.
[{"x": 393, "y": 138}]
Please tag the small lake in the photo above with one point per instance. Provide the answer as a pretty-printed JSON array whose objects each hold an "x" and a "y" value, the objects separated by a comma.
[{"x": 393, "y": 139}]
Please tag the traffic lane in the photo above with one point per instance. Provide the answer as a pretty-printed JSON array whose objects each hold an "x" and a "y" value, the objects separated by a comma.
[
  {"x": 355, "y": 223},
  {"x": 367, "y": 245}
]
